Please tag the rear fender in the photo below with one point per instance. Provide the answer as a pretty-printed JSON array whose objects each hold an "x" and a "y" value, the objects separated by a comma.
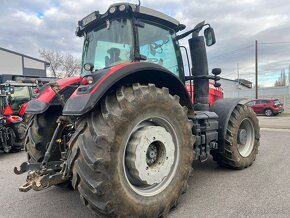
[
  {"x": 86, "y": 97},
  {"x": 224, "y": 108},
  {"x": 47, "y": 96}
]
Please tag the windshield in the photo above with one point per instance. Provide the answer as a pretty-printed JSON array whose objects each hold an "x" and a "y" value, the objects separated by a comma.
[{"x": 108, "y": 45}]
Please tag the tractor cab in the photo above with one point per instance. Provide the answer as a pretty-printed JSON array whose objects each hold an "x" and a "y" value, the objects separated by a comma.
[{"x": 130, "y": 33}]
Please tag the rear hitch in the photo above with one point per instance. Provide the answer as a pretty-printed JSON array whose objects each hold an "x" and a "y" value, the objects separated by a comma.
[
  {"x": 47, "y": 173},
  {"x": 39, "y": 178},
  {"x": 39, "y": 182}
]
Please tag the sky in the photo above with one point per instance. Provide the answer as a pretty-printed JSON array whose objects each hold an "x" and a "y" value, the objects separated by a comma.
[{"x": 29, "y": 25}]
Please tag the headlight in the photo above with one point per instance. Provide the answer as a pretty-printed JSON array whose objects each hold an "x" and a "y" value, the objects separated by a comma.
[
  {"x": 122, "y": 8},
  {"x": 112, "y": 10}
]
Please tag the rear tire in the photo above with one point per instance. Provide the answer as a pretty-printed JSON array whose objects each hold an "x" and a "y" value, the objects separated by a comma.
[
  {"x": 19, "y": 131},
  {"x": 39, "y": 134},
  {"x": 268, "y": 112},
  {"x": 241, "y": 140},
  {"x": 104, "y": 153}
]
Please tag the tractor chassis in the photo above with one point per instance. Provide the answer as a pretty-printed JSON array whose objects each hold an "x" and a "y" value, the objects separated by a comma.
[{"x": 47, "y": 173}]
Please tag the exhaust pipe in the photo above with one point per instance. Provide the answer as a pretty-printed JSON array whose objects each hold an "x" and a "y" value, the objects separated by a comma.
[{"x": 200, "y": 73}]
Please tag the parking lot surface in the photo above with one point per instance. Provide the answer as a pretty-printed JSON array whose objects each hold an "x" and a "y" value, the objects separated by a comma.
[{"x": 262, "y": 190}]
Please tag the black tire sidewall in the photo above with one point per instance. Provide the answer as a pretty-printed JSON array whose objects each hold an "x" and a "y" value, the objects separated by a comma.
[
  {"x": 245, "y": 161},
  {"x": 118, "y": 174}
]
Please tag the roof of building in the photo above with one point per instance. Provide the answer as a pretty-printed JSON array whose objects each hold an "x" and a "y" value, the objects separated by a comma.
[
  {"x": 242, "y": 82},
  {"x": 26, "y": 56}
]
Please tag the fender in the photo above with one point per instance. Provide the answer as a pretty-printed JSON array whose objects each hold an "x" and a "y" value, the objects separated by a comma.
[
  {"x": 86, "y": 97},
  {"x": 223, "y": 108},
  {"x": 47, "y": 96}
]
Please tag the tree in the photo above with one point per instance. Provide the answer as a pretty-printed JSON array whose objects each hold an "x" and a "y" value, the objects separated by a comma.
[
  {"x": 281, "y": 80},
  {"x": 62, "y": 65}
]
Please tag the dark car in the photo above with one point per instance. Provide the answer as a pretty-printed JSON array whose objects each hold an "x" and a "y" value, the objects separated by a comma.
[{"x": 268, "y": 107}]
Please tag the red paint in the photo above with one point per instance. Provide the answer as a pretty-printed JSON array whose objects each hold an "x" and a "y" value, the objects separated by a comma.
[
  {"x": 112, "y": 70},
  {"x": 23, "y": 109},
  {"x": 48, "y": 94},
  {"x": 13, "y": 119},
  {"x": 8, "y": 111},
  {"x": 214, "y": 93}
]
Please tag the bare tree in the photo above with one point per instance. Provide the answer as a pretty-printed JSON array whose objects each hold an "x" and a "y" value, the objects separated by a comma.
[
  {"x": 61, "y": 64},
  {"x": 281, "y": 80}
]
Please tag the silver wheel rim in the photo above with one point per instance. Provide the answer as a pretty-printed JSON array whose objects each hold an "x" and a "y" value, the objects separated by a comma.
[
  {"x": 246, "y": 137},
  {"x": 151, "y": 156},
  {"x": 268, "y": 112}
]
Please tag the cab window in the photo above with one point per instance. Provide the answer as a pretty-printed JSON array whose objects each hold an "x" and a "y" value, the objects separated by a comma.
[
  {"x": 157, "y": 44},
  {"x": 20, "y": 96}
]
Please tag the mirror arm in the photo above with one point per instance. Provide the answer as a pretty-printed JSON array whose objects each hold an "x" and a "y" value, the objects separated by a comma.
[{"x": 183, "y": 35}]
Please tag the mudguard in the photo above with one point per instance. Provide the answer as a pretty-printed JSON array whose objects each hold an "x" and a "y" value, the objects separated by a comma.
[
  {"x": 86, "y": 97},
  {"x": 223, "y": 108},
  {"x": 47, "y": 96}
]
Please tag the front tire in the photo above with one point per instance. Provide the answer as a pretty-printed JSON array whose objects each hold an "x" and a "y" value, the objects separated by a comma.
[
  {"x": 241, "y": 140},
  {"x": 132, "y": 156},
  {"x": 268, "y": 112}
]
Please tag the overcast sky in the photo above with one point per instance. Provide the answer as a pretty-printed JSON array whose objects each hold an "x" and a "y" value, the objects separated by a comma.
[{"x": 29, "y": 25}]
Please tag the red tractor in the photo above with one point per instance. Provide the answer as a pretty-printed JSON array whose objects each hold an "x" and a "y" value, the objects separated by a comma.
[{"x": 125, "y": 133}]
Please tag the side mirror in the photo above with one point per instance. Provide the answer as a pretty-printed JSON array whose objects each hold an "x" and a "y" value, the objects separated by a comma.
[
  {"x": 216, "y": 71},
  {"x": 209, "y": 36}
]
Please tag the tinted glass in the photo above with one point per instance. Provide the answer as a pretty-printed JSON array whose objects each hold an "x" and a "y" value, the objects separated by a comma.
[
  {"x": 108, "y": 45},
  {"x": 20, "y": 96},
  {"x": 158, "y": 45},
  {"x": 264, "y": 102}
]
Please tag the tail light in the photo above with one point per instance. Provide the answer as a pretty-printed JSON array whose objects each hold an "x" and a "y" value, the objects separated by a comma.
[
  {"x": 13, "y": 119},
  {"x": 23, "y": 109},
  {"x": 87, "y": 80},
  {"x": 8, "y": 111}
]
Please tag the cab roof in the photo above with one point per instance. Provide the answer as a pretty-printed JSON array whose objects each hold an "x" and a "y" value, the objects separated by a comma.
[{"x": 131, "y": 10}]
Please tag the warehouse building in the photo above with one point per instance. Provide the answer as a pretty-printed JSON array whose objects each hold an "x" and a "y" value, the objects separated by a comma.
[{"x": 15, "y": 63}]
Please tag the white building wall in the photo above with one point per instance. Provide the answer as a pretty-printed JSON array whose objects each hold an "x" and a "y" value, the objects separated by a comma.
[
  {"x": 10, "y": 63},
  {"x": 33, "y": 64}
]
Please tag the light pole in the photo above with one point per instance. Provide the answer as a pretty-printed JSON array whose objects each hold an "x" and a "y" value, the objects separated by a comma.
[{"x": 256, "y": 67}]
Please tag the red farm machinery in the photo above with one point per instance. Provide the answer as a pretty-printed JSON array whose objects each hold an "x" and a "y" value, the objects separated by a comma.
[{"x": 126, "y": 132}]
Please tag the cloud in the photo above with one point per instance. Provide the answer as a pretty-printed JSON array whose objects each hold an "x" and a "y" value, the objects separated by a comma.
[{"x": 29, "y": 25}]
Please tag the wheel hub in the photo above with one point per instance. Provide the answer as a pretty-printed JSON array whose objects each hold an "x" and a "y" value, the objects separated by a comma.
[
  {"x": 150, "y": 155},
  {"x": 246, "y": 138},
  {"x": 242, "y": 136}
]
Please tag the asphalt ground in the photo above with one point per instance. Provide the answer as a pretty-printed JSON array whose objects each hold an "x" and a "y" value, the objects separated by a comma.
[{"x": 262, "y": 190}]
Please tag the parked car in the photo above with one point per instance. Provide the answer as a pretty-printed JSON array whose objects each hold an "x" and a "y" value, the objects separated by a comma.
[{"x": 269, "y": 107}]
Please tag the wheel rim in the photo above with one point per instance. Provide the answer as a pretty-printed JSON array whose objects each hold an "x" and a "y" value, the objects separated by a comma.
[
  {"x": 151, "y": 156},
  {"x": 246, "y": 138},
  {"x": 268, "y": 112}
]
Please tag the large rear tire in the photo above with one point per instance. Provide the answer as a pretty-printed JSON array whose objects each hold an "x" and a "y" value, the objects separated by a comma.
[
  {"x": 19, "y": 130},
  {"x": 132, "y": 156},
  {"x": 40, "y": 130},
  {"x": 241, "y": 140}
]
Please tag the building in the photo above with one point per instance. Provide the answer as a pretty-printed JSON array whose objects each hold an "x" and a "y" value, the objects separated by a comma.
[
  {"x": 232, "y": 88},
  {"x": 244, "y": 89},
  {"x": 15, "y": 63}
]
